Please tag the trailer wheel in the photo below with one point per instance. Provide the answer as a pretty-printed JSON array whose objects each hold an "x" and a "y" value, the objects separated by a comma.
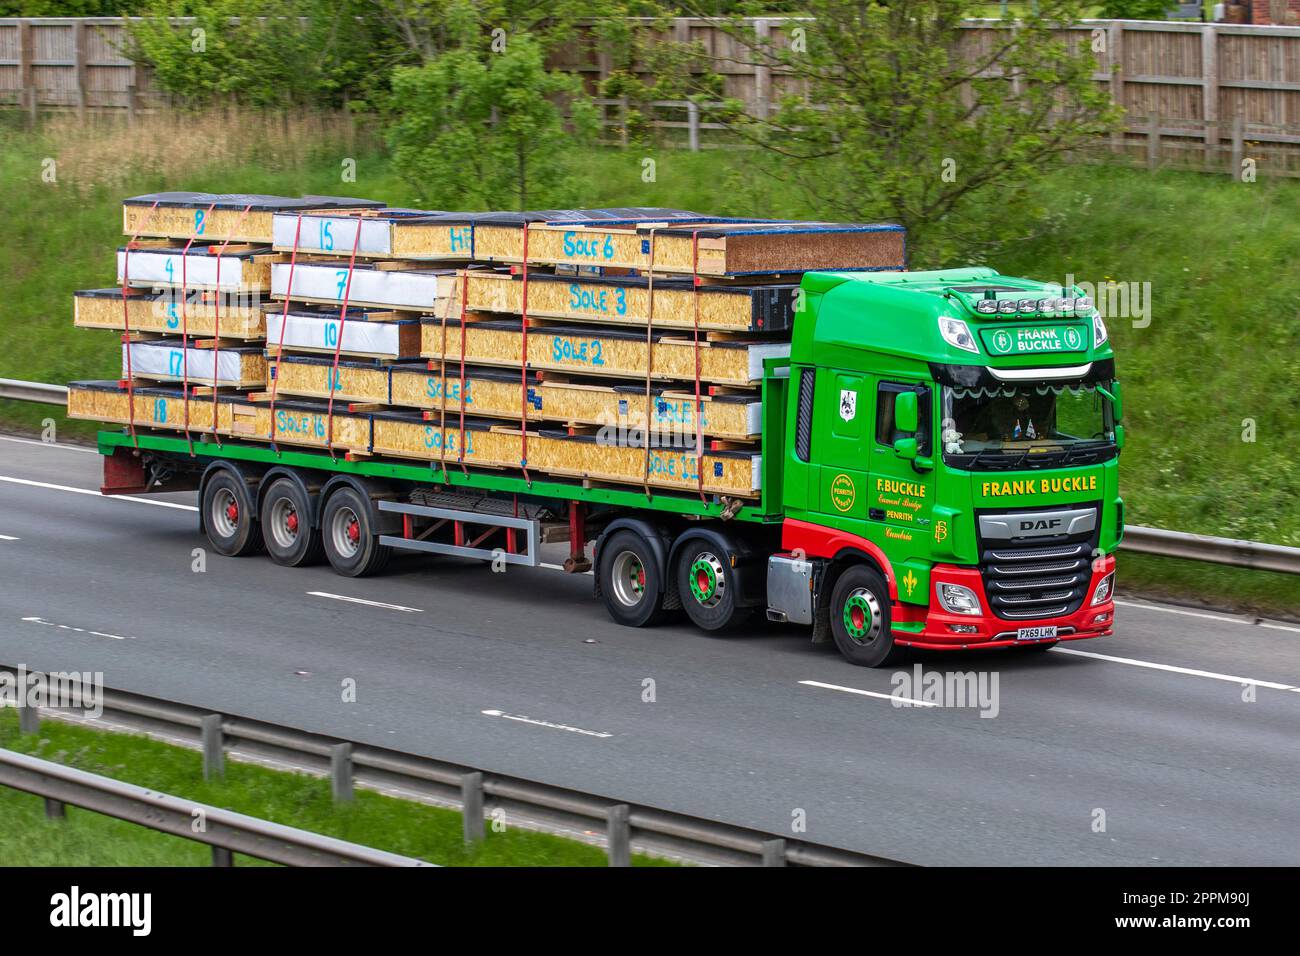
[
  {"x": 287, "y": 527},
  {"x": 229, "y": 516},
  {"x": 859, "y": 612},
  {"x": 629, "y": 580},
  {"x": 708, "y": 588},
  {"x": 347, "y": 533}
]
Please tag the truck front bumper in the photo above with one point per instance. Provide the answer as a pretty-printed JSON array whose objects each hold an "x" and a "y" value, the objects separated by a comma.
[{"x": 942, "y": 630}]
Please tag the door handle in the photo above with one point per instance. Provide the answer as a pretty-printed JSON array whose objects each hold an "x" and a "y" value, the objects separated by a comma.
[{"x": 876, "y": 514}]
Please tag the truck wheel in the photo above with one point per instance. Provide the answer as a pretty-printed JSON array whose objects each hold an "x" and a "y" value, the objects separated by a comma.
[
  {"x": 230, "y": 517},
  {"x": 629, "y": 580},
  {"x": 286, "y": 525},
  {"x": 708, "y": 588},
  {"x": 859, "y": 612},
  {"x": 347, "y": 532}
]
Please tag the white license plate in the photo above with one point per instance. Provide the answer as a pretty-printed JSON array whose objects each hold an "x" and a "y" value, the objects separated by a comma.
[{"x": 1035, "y": 633}]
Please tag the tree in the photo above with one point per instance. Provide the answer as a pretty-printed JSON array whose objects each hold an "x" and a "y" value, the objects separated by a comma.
[
  {"x": 900, "y": 112},
  {"x": 475, "y": 128}
]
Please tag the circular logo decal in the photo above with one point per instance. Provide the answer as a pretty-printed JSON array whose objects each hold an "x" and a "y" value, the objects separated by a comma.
[
  {"x": 1072, "y": 339},
  {"x": 843, "y": 494},
  {"x": 1001, "y": 341}
]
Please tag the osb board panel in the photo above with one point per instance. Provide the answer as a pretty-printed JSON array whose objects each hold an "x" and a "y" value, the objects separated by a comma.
[
  {"x": 162, "y": 314},
  {"x": 599, "y": 354},
  {"x": 413, "y": 438},
  {"x": 718, "y": 250},
  {"x": 296, "y": 425},
  {"x": 146, "y": 409},
  {"x": 173, "y": 268},
  {"x": 735, "y": 475},
  {"x": 670, "y": 412},
  {"x": 352, "y": 382},
  {"x": 625, "y": 302},
  {"x": 174, "y": 222},
  {"x": 412, "y": 240},
  {"x": 488, "y": 396}
]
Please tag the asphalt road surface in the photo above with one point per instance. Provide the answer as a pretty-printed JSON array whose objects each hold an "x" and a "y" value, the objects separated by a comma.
[{"x": 1141, "y": 748}]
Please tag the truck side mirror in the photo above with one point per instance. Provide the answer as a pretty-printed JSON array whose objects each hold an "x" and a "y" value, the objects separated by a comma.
[
  {"x": 905, "y": 448},
  {"x": 905, "y": 415},
  {"x": 1119, "y": 437},
  {"x": 1119, "y": 401}
]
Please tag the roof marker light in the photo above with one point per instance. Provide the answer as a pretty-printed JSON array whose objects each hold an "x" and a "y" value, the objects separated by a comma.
[{"x": 956, "y": 333}]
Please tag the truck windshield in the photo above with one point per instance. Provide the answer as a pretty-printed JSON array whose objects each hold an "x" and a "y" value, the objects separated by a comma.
[{"x": 1026, "y": 425}]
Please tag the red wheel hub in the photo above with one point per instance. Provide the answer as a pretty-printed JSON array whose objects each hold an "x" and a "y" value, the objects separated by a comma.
[
  {"x": 859, "y": 619},
  {"x": 232, "y": 512},
  {"x": 354, "y": 531},
  {"x": 291, "y": 522},
  {"x": 702, "y": 581}
]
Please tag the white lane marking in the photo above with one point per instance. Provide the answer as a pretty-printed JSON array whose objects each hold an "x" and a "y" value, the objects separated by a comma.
[
  {"x": 79, "y": 630},
  {"x": 96, "y": 494},
  {"x": 357, "y": 600},
  {"x": 869, "y": 693},
  {"x": 544, "y": 723},
  {"x": 1190, "y": 671},
  {"x": 8, "y": 537},
  {"x": 1209, "y": 617},
  {"x": 49, "y": 444}
]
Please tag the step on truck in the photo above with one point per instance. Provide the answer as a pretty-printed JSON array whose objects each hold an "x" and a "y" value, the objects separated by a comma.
[{"x": 939, "y": 471}]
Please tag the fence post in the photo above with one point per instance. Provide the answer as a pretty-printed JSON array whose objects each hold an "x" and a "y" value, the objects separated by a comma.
[
  {"x": 620, "y": 835},
  {"x": 26, "y": 75},
  {"x": 622, "y": 119},
  {"x": 774, "y": 852},
  {"x": 214, "y": 758},
  {"x": 471, "y": 798},
  {"x": 762, "y": 72},
  {"x": 1238, "y": 147},
  {"x": 693, "y": 125},
  {"x": 1115, "y": 47},
  {"x": 29, "y": 719},
  {"x": 79, "y": 67},
  {"x": 341, "y": 772},
  {"x": 1210, "y": 83},
  {"x": 1153, "y": 142}
]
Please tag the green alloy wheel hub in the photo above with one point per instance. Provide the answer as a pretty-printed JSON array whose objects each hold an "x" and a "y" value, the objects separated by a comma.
[
  {"x": 707, "y": 579},
  {"x": 861, "y": 616}
]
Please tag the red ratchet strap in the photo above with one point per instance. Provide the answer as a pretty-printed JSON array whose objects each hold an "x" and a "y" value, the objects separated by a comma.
[
  {"x": 338, "y": 346},
  {"x": 284, "y": 323},
  {"x": 216, "y": 322},
  {"x": 699, "y": 407},
  {"x": 523, "y": 368},
  {"x": 649, "y": 364},
  {"x": 185, "y": 331},
  {"x": 464, "y": 313},
  {"x": 442, "y": 374},
  {"x": 126, "y": 322}
]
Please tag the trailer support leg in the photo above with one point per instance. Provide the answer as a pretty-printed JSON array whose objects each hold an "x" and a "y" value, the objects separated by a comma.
[{"x": 576, "y": 562}]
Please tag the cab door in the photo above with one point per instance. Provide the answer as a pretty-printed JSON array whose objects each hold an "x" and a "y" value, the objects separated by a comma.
[
  {"x": 900, "y": 491},
  {"x": 844, "y": 419}
]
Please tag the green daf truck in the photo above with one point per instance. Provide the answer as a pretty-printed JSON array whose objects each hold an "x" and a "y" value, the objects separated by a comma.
[{"x": 939, "y": 471}]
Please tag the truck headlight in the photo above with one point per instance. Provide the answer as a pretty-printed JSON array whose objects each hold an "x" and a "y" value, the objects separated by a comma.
[
  {"x": 956, "y": 599},
  {"x": 1103, "y": 589},
  {"x": 1099, "y": 333},
  {"x": 956, "y": 333}
]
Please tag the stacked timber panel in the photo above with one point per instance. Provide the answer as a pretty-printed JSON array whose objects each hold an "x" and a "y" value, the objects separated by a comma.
[{"x": 621, "y": 346}]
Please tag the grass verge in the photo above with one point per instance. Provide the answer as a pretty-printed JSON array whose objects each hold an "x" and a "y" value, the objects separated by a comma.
[{"x": 27, "y": 838}]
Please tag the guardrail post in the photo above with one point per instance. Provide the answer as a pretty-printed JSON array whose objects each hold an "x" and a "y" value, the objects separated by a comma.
[
  {"x": 29, "y": 720},
  {"x": 222, "y": 856},
  {"x": 214, "y": 759},
  {"x": 341, "y": 772},
  {"x": 471, "y": 797},
  {"x": 774, "y": 852},
  {"x": 620, "y": 835},
  {"x": 55, "y": 809}
]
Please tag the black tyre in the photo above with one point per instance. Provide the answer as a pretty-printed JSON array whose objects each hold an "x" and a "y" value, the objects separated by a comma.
[
  {"x": 630, "y": 580},
  {"x": 347, "y": 530},
  {"x": 230, "y": 517},
  {"x": 859, "y": 611},
  {"x": 287, "y": 529},
  {"x": 707, "y": 584}
]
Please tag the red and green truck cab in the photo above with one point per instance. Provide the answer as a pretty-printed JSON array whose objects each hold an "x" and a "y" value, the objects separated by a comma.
[{"x": 949, "y": 464}]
